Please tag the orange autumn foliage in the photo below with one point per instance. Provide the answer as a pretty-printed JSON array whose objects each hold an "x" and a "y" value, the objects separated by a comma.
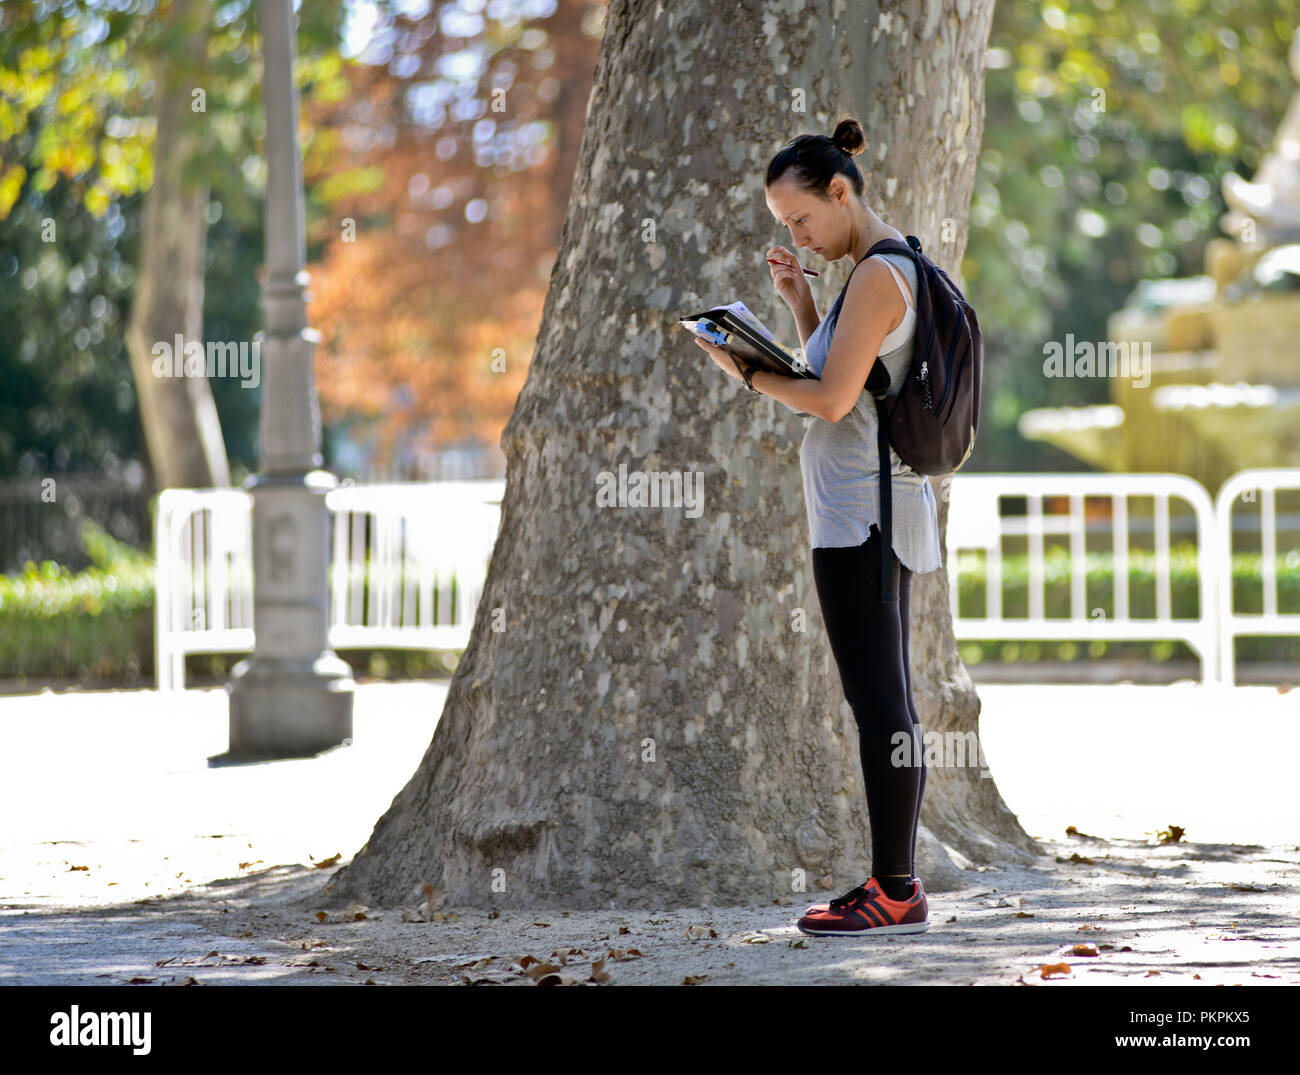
[{"x": 428, "y": 304}]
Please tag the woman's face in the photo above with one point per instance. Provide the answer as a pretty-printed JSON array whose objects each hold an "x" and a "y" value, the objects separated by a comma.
[{"x": 815, "y": 224}]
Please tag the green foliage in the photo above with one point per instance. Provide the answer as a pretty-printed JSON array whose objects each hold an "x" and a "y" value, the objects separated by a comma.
[
  {"x": 97, "y": 623},
  {"x": 66, "y": 398},
  {"x": 1109, "y": 128}
]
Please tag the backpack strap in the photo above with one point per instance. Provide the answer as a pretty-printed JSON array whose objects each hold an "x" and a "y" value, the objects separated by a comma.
[
  {"x": 879, "y": 392},
  {"x": 887, "y": 594}
]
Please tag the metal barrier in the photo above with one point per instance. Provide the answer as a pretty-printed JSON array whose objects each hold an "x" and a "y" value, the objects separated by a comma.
[
  {"x": 203, "y": 578},
  {"x": 975, "y": 520},
  {"x": 407, "y": 566},
  {"x": 1267, "y": 483},
  {"x": 402, "y": 577}
]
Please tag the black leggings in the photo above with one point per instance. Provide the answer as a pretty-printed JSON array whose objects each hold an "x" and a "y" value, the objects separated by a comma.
[{"x": 869, "y": 641}]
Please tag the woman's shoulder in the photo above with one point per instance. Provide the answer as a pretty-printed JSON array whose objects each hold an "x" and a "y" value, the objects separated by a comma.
[{"x": 872, "y": 287}]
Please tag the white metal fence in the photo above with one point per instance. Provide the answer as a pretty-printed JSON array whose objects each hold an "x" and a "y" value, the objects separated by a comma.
[
  {"x": 1260, "y": 489},
  {"x": 407, "y": 567},
  {"x": 409, "y": 560},
  {"x": 1054, "y": 510}
]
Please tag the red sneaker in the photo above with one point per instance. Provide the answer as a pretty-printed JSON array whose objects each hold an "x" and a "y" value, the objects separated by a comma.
[{"x": 867, "y": 909}]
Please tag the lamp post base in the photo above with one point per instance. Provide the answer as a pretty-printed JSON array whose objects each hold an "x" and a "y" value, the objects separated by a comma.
[{"x": 288, "y": 709}]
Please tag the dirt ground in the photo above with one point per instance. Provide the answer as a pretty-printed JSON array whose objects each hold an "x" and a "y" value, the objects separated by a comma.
[
  {"x": 121, "y": 864},
  {"x": 1179, "y": 914}
]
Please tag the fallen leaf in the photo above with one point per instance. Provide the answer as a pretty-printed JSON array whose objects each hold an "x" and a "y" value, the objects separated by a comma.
[
  {"x": 321, "y": 916},
  {"x": 598, "y": 973},
  {"x": 140, "y": 981},
  {"x": 71, "y": 868},
  {"x": 755, "y": 938},
  {"x": 1084, "y": 950},
  {"x": 622, "y": 955},
  {"x": 694, "y": 979},
  {"x": 1051, "y": 970},
  {"x": 433, "y": 899},
  {"x": 558, "y": 978},
  {"x": 622, "y": 930},
  {"x": 695, "y": 932},
  {"x": 540, "y": 970},
  {"x": 164, "y": 962},
  {"x": 326, "y": 863},
  {"x": 1151, "y": 972}
]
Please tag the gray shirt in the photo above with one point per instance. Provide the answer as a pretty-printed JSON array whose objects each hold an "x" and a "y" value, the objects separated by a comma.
[{"x": 840, "y": 464}]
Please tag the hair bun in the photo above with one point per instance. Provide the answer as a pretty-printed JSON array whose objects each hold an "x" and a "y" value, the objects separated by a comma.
[{"x": 849, "y": 136}]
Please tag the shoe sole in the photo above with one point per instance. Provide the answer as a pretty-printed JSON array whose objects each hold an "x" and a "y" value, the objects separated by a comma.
[{"x": 902, "y": 927}]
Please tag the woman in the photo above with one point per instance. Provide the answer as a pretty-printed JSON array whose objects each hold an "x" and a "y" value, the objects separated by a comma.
[{"x": 814, "y": 187}]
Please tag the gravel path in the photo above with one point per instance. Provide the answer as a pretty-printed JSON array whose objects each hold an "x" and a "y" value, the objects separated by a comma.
[{"x": 128, "y": 860}]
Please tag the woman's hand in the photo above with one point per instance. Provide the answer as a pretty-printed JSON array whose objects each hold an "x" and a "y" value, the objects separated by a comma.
[
  {"x": 788, "y": 279},
  {"x": 721, "y": 358}
]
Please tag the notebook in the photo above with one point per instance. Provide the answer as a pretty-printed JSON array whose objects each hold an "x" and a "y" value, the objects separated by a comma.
[{"x": 736, "y": 330}]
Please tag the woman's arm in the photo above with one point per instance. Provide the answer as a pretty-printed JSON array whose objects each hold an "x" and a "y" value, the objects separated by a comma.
[
  {"x": 872, "y": 307},
  {"x": 806, "y": 321}
]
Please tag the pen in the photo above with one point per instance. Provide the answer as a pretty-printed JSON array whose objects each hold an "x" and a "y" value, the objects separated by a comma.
[{"x": 809, "y": 272}]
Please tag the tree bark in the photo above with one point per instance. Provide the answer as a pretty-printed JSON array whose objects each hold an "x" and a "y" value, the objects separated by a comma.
[
  {"x": 177, "y": 413},
  {"x": 649, "y": 727}
]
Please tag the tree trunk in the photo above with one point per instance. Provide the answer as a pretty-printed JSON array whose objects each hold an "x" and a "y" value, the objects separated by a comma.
[
  {"x": 647, "y": 725},
  {"x": 177, "y": 413}
]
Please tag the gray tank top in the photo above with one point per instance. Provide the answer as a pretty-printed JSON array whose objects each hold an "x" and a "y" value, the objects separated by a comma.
[{"x": 840, "y": 464}]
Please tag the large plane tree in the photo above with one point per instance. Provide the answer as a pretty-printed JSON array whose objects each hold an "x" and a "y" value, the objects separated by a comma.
[{"x": 648, "y": 712}]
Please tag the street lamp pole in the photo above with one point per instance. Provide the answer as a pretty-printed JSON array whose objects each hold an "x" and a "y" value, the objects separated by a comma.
[{"x": 293, "y": 696}]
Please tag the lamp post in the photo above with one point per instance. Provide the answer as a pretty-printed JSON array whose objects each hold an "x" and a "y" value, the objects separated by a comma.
[{"x": 293, "y": 696}]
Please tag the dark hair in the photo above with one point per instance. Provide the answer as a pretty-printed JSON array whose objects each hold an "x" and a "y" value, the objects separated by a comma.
[{"x": 813, "y": 160}]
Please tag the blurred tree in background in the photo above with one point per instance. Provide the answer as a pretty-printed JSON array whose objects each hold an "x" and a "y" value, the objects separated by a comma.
[{"x": 84, "y": 85}]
